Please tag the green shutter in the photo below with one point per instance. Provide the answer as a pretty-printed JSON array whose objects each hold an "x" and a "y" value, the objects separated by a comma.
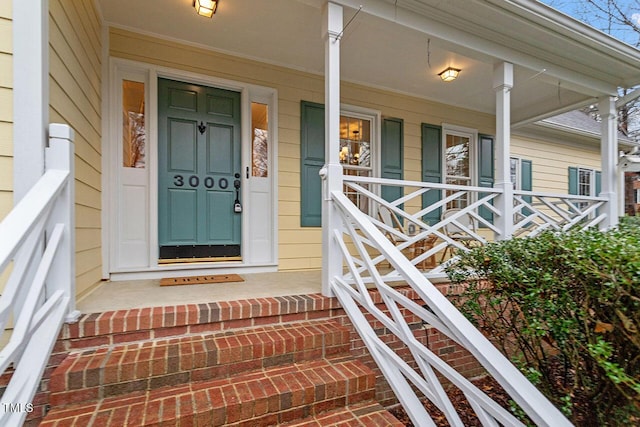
[
  {"x": 526, "y": 181},
  {"x": 431, "y": 168},
  {"x": 573, "y": 180},
  {"x": 392, "y": 156},
  {"x": 598, "y": 183},
  {"x": 485, "y": 171},
  {"x": 311, "y": 161}
]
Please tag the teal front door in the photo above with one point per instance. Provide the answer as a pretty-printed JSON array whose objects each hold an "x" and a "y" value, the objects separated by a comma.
[{"x": 199, "y": 167}]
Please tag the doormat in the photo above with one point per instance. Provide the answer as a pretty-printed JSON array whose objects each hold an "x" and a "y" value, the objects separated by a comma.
[{"x": 199, "y": 280}]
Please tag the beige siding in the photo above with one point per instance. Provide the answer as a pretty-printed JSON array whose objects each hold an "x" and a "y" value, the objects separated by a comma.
[
  {"x": 6, "y": 109},
  {"x": 75, "y": 87},
  {"x": 550, "y": 161},
  {"x": 300, "y": 248}
]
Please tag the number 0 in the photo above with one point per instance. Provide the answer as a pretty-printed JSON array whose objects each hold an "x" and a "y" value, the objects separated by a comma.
[{"x": 194, "y": 181}]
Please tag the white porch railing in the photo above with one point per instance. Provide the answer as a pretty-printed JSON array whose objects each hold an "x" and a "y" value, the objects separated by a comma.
[
  {"x": 537, "y": 212},
  {"x": 368, "y": 243},
  {"x": 532, "y": 213},
  {"x": 37, "y": 242}
]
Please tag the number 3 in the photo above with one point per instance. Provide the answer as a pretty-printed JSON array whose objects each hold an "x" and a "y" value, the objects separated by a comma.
[{"x": 178, "y": 180}]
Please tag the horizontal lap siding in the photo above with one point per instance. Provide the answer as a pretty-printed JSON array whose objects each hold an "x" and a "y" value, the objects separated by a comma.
[
  {"x": 75, "y": 99},
  {"x": 299, "y": 248},
  {"x": 6, "y": 108},
  {"x": 551, "y": 160}
]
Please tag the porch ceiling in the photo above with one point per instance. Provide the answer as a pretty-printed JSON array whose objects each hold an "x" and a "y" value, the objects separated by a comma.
[{"x": 402, "y": 46}]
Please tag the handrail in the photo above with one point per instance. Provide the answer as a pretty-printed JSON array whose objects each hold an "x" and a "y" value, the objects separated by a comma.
[
  {"x": 37, "y": 242},
  {"x": 404, "y": 183},
  {"x": 357, "y": 238},
  {"x": 25, "y": 216}
]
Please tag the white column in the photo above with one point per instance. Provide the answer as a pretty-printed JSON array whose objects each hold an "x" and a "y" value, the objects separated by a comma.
[
  {"x": 62, "y": 276},
  {"x": 609, "y": 159},
  {"x": 331, "y": 257},
  {"x": 502, "y": 84},
  {"x": 30, "y": 92}
]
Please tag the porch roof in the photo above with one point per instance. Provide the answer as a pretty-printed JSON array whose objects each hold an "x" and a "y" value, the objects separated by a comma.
[{"x": 559, "y": 63}]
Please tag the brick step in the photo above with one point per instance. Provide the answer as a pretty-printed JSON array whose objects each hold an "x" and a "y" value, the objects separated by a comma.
[
  {"x": 139, "y": 324},
  {"x": 361, "y": 415},
  {"x": 269, "y": 397},
  {"x": 113, "y": 371}
]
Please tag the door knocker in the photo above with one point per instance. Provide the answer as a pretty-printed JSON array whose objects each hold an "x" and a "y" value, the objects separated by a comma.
[{"x": 202, "y": 128}]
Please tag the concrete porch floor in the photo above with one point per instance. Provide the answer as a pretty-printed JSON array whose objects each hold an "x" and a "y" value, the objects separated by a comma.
[{"x": 148, "y": 293}]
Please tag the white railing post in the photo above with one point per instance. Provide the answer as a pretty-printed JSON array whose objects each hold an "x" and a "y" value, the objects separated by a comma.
[
  {"x": 31, "y": 92},
  {"x": 502, "y": 84},
  {"x": 609, "y": 159},
  {"x": 332, "y": 171},
  {"x": 60, "y": 155}
]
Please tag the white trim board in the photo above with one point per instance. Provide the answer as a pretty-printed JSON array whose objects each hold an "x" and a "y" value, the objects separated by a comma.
[{"x": 143, "y": 262}]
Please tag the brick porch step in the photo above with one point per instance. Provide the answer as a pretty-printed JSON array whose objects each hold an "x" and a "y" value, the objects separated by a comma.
[
  {"x": 358, "y": 415},
  {"x": 112, "y": 371},
  {"x": 268, "y": 397}
]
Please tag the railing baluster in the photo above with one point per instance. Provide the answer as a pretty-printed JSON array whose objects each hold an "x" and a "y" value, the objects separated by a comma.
[
  {"x": 364, "y": 249},
  {"x": 363, "y": 237},
  {"x": 37, "y": 240}
]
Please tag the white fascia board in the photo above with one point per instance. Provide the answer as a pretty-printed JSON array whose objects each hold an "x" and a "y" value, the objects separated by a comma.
[
  {"x": 550, "y": 16},
  {"x": 417, "y": 20}
]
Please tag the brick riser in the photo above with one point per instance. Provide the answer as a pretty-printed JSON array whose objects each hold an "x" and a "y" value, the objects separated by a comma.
[
  {"x": 131, "y": 326},
  {"x": 269, "y": 397},
  {"x": 110, "y": 371}
]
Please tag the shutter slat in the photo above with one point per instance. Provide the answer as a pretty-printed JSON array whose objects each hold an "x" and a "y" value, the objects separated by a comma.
[
  {"x": 392, "y": 151},
  {"x": 311, "y": 161},
  {"x": 573, "y": 180},
  {"x": 485, "y": 171},
  {"x": 431, "y": 168}
]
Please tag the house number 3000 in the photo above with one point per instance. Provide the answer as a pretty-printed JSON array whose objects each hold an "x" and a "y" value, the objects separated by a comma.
[{"x": 193, "y": 181}]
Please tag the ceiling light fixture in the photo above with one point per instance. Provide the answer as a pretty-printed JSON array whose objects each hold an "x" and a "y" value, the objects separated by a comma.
[
  {"x": 449, "y": 74},
  {"x": 205, "y": 7}
]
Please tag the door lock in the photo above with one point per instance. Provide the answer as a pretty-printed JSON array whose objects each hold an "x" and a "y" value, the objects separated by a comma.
[{"x": 237, "y": 206}]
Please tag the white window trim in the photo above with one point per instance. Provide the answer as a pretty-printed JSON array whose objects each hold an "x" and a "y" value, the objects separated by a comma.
[
  {"x": 472, "y": 134},
  {"x": 592, "y": 180},
  {"x": 518, "y": 181},
  {"x": 375, "y": 117}
]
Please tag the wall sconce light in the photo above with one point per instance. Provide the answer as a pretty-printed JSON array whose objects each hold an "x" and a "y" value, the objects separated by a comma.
[
  {"x": 449, "y": 74},
  {"x": 206, "y": 7}
]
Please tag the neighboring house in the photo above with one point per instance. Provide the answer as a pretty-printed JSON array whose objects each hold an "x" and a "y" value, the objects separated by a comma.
[{"x": 225, "y": 145}]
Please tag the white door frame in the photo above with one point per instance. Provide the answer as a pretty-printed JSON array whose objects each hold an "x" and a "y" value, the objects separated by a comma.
[{"x": 112, "y": 140}]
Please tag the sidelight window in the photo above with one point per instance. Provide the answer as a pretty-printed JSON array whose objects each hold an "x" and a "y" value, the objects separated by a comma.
[{"x": 133, "y": 126}]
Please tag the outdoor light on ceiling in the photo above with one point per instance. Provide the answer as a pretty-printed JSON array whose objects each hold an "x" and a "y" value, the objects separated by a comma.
[
  {"x": 450, "y": 74},
  {"x": 206, "y": 7}
]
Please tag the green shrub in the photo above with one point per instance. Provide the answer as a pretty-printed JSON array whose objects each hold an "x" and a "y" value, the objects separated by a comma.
[{"x": 565, "y": 307}]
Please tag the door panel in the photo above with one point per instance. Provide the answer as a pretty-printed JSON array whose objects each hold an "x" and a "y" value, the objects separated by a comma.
[
  {"x": 199, "y": 157},
  {"x": 183, "y": 99},
  {"x": 182, "y": 146},
  {"x": 220, "y": 150},
  {"x": 220, "y": 105},
  {"x": 183, "y": 221},
  {"x": 220, "y": 230}
]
